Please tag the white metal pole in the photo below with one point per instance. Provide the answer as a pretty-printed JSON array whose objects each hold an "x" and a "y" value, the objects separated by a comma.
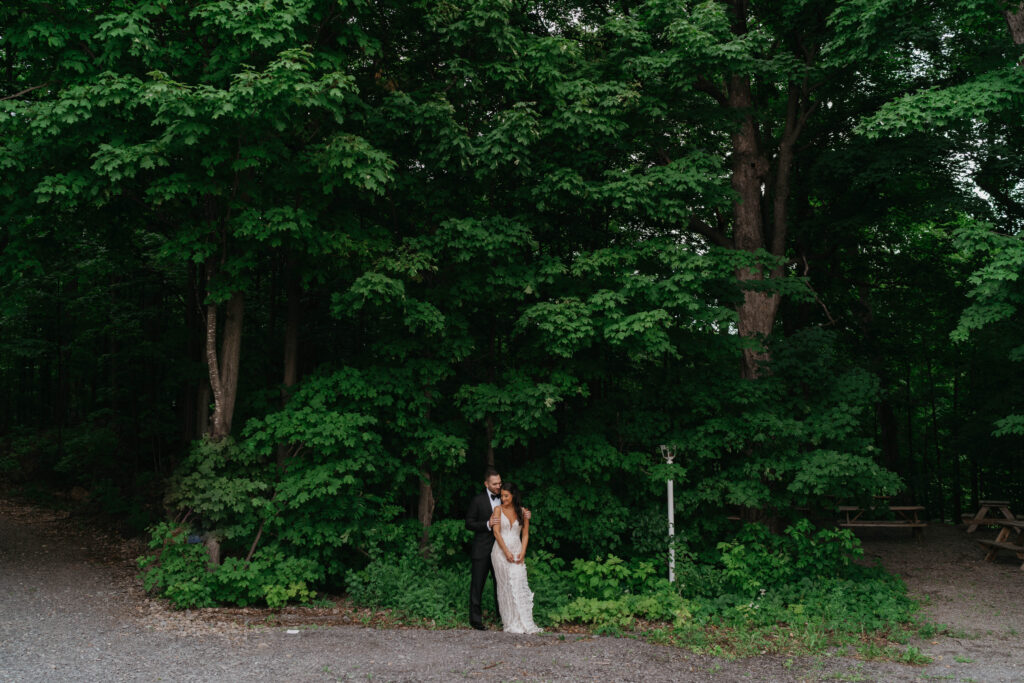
[
  {"x": 671, "y": 534},
  {"x": 669, "y": 456}
]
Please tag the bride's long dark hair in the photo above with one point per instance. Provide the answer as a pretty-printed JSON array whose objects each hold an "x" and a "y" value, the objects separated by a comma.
[{"x": 517, "y": 500}]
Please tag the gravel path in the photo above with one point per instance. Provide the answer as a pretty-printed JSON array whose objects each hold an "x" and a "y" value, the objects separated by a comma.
[{"x": 67, "y": 616}]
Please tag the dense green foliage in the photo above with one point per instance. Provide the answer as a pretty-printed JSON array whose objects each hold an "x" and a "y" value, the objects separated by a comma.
[
  {"x": 292, "y": 273},
  {"x": 802, "y": 578}
]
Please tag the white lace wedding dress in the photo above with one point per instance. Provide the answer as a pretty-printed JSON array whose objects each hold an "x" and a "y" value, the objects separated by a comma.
[{"x": 515, "y": 600}]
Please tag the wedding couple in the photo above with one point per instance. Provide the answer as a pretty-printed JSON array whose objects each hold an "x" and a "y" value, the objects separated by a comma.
[{"x": 501, "y": 529}]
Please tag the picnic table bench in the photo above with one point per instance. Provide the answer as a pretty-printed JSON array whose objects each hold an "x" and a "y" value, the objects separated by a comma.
[
  {"x": 987, "y": 514},
  {"x": 1003, "y": 541},
  {"x": 903, "y": 517}
]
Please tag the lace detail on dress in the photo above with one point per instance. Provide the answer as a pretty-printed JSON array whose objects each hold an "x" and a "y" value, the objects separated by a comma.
[{"x": 515, "y": 599}]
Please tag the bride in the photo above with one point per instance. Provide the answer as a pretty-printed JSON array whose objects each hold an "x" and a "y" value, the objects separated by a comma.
[{"x": 512, "y": 533}]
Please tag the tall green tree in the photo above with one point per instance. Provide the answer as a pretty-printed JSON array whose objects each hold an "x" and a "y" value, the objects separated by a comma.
[
  {"x": 972, "y": 100},
  {"x": 230, "y": 153}
]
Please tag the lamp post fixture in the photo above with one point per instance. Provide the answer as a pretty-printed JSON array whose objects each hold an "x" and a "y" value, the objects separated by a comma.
[{"x": 669, "y": 455}]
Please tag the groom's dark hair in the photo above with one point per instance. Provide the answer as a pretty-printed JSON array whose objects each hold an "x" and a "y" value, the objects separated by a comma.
[{"x": 490, "y": 472}]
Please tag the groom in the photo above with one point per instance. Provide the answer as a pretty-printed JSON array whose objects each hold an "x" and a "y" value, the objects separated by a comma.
[{"x": 478, "y": 520}]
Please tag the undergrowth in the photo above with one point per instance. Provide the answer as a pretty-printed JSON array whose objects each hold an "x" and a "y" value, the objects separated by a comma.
[{"x": 799, "y": 592}]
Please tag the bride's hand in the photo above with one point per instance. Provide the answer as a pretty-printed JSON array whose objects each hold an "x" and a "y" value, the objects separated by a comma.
[{"x": 510, "y": 557}]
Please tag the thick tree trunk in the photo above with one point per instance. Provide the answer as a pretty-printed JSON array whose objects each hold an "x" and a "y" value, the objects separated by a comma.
[
  {"x": 230, "y": 354},
  {"x": 1015, "y": 20},
  {"x": 224, "y": 370},
  {"x": 757, "y": 312},
  {"x": 749, "y": 168}
]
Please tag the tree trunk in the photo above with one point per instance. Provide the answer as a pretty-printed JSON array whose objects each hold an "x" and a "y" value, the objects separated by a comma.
[
  {"x": 291, "y": 348},
  {"x": 889, "y": 435},
  {"x": 291, "y": 334},
  {"x": 212, "y": 544},
  {"x": 940, "y": 498},
  {"x": 1015, "y": 20},
  {"x": 202, "y": 408},
  {"x": 958, "y": 503},
  {"x": 489, "y": 423},
  {"x": 230, "y": 353},
  {"x": 492, "y": 373},
  {"x": 224, "y": 370},
  {"x": 750, "y": 168},
  {"x": 425, "y": 513},
  {"x": 217, "y": 430},
  {"x": 189, "y": 409},
  {"x": 758, "y": 310},
  {"x": 917, "y": 490},
  {"x": 60, "y": 403}
]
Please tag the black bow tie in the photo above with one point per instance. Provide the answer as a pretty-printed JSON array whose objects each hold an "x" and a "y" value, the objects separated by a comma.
[{"x": 494, "y": 497}]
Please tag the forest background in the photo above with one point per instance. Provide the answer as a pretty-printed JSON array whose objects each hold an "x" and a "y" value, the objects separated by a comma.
[{"x": 292, "y": 273}]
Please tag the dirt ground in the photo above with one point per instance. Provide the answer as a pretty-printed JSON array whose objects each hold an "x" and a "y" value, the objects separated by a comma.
[
  {"x": 980, "y": 603},
  {"x": 72, "y": 608}
]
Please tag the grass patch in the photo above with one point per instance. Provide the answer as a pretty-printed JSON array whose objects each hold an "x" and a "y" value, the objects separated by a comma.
[{"x": 741, "y": 642}]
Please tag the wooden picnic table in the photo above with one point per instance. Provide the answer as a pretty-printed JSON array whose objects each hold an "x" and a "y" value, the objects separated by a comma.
[
  {"x": 1011, "y": 537},
  {"x": 903, "y": 517},
  {"x": 987, "y": 514}
]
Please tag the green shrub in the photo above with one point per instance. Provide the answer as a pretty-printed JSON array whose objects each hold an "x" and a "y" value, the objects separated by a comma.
[
  {"x": 614, "y": 593},
  {"x": 665, "y": 605},
  {"x": 698, "y": 579},
  {"x": 834, "y": 604},
  {"x": 9, "y": 464},
  {"x": 758, "y": 559},
  {"x": 416, "y": 587},
  {"x": 802, "y": 577},
  {"x": 176, "y": 569},
  {"x": 180, "y": 571},
  {"x": 612, "y": 577},
  {"x": 551, "y": 584},
  {"x": 449, "y": 542},
  {"x": 272, "y": 577},
  {"x": 439, "y": 591}
]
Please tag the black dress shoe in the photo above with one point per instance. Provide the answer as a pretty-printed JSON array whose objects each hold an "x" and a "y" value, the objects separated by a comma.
[{"x": 478, "y": 627}]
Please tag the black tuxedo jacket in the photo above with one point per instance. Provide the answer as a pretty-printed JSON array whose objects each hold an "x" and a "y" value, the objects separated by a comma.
[{"x": 477, "y": 514}]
